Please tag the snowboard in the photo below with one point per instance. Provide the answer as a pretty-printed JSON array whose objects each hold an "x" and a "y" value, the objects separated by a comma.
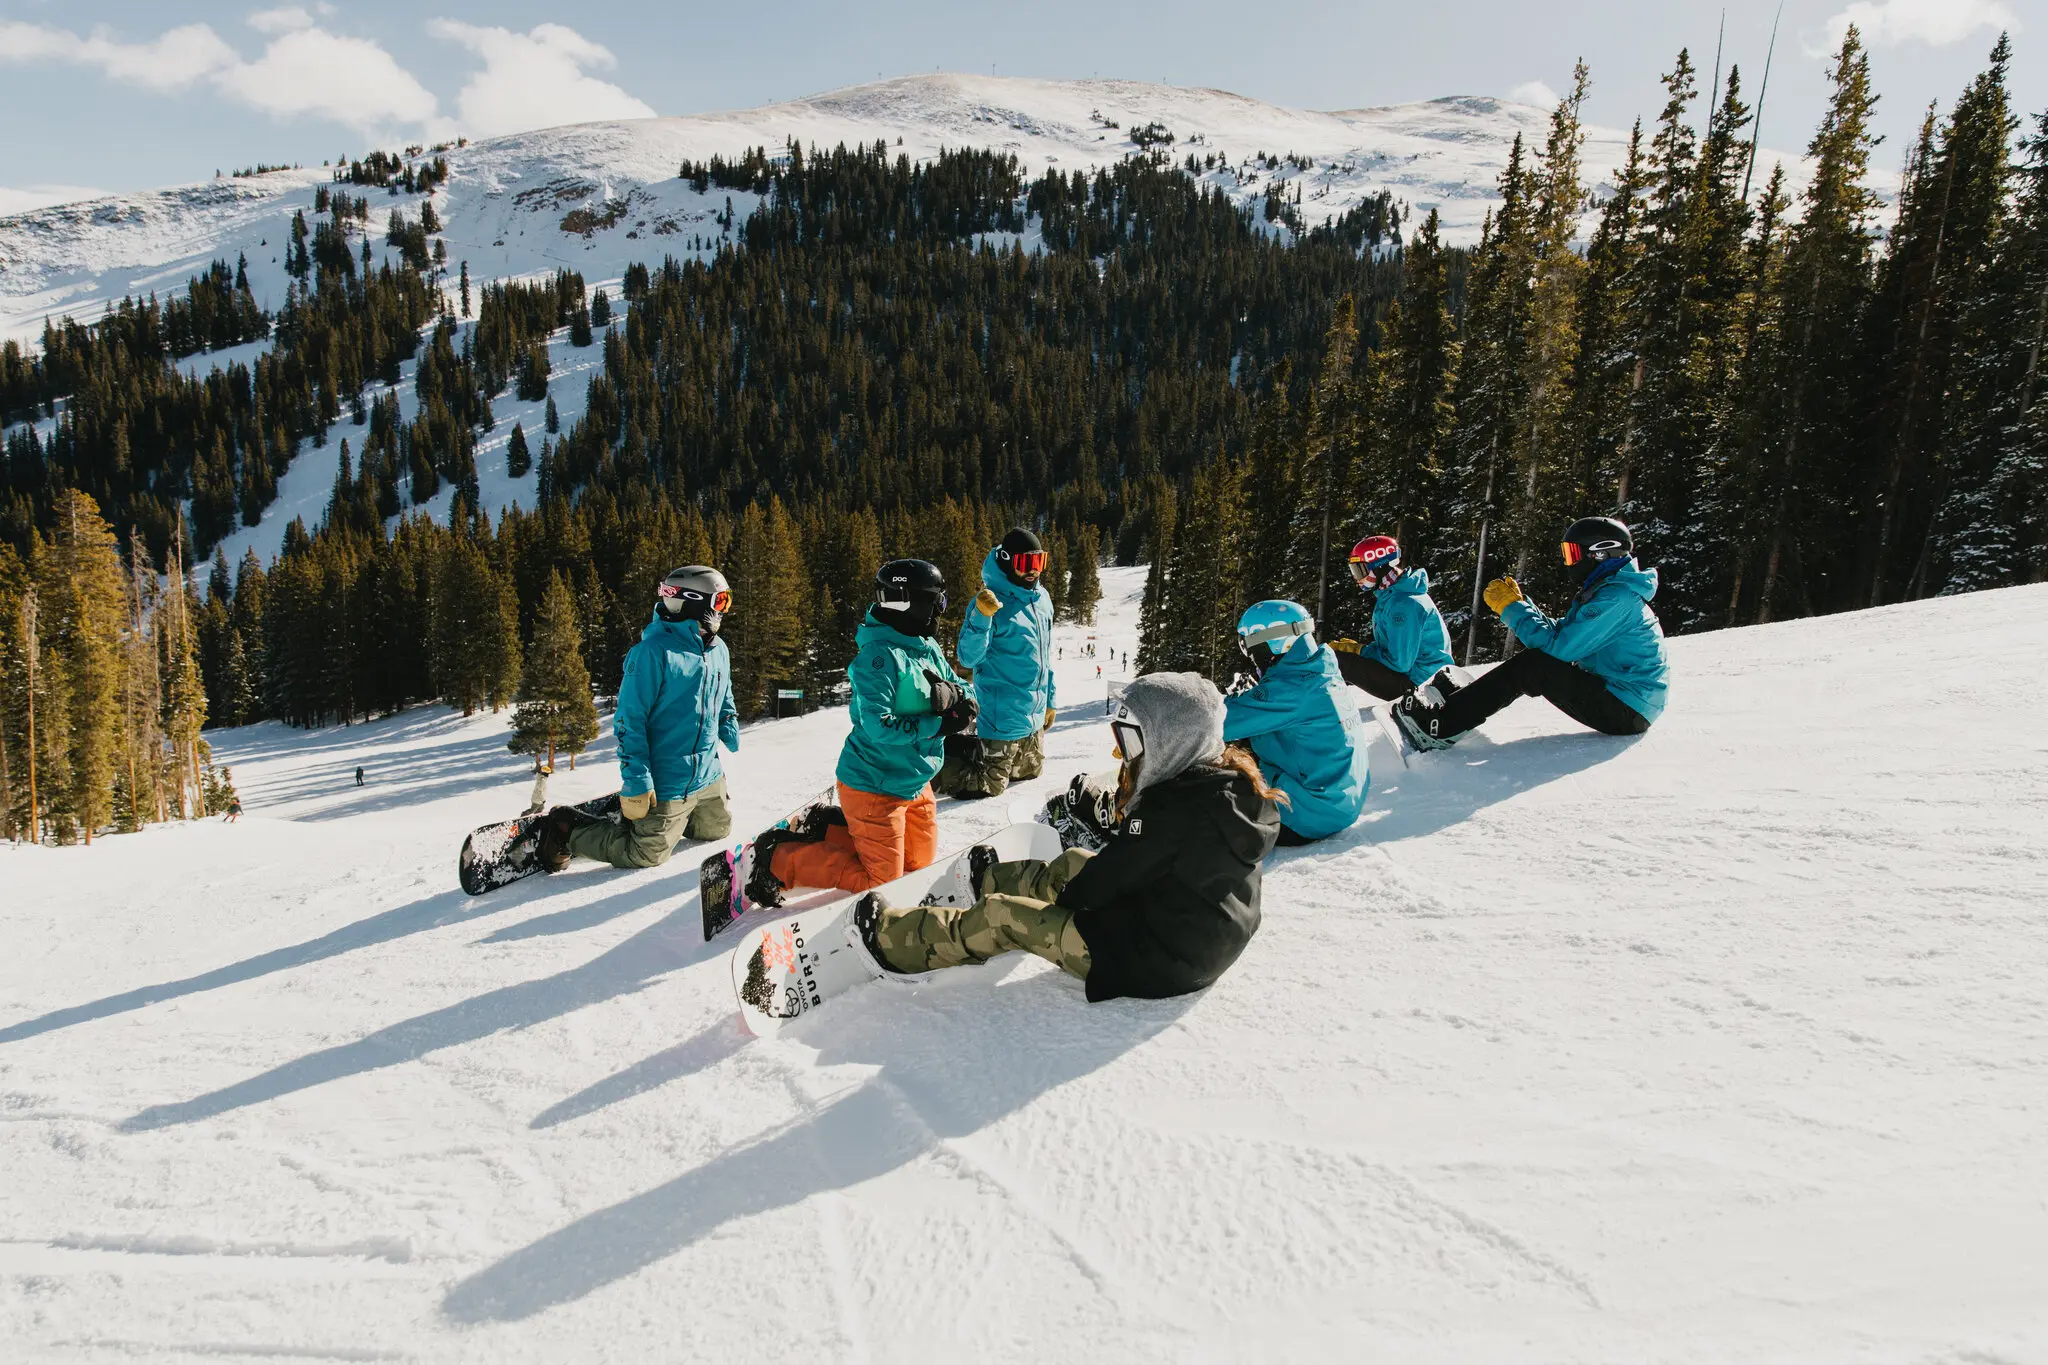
[
  {"x": 509, "y": 851},
  {"x": 1384, "y": 717},
  {"x": 1084, "y": 815},
  {"x": 719, "y": 890},
  {"x": 788, "y": 967}
]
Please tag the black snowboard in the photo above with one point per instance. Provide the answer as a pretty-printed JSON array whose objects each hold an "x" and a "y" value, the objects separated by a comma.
[{"x": 509, "y": 851}]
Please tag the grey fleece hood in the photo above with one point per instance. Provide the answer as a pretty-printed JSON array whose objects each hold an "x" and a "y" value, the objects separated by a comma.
[{"x": 1182, "y": 717}]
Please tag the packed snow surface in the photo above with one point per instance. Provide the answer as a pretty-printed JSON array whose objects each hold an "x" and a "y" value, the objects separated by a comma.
[{"x": 1725, "y": 1044}]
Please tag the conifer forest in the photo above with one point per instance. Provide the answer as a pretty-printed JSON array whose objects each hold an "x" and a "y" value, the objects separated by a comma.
[{"x": 1802, "y": 403}]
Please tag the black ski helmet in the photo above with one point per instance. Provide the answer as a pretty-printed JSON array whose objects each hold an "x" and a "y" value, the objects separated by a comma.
[
  {"x": 1590, "y": 542},
  {"x": 695, "y": 592},
  {"x": 911, "y": 594},
  {"x": 1021, "y": 556}
]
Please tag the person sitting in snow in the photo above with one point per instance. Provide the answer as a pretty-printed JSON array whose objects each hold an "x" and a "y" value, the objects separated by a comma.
[
  {"x": 675, "y": 708},
  {"x": 1300, "y": 722},
  {"x": 906, "y": 700},
  {"x": 1166, "y": 906},
  {"x": 1410, "y": 646},
  {"x": 1004, "y": 641},
  {"x": 1602, "y": 663}
]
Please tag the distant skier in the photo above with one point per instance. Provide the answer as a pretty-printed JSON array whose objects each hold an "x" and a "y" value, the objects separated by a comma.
[
  {"x": 1004, "y": 640},
  {"x": 1410, "y": 645},
  {"x": 234, "y": 811},
  {"x": 1300, "y": 722},
  {"x": 1602, "y": 663},
  {"x": 359, "y": 776},
  {"x": 675, "y": 707},
  {"x": 905, "y": 701},
  {"x": 537, "y": 799},
  {"x": 1166, "y": 906}
]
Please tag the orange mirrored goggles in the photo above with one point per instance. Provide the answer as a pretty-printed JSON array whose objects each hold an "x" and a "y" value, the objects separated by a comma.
[
  {"x": 721, "y": 601},
  {"x": 1572, "y": 553},
  {"x": 1028, "y": 561}
]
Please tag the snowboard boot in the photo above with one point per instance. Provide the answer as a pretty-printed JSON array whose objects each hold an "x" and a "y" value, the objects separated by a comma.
[
  {"x": 758, "y": 885},
  {"x": 867, "y": 921},
  {"x": 980, "y": 859},
  {"x": 1447, "y": 683},
  {"x": 1418, "y": 723},
  {"x": 555, "y": 829}
]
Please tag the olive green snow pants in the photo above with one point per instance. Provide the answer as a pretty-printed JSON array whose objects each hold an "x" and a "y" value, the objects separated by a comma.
[
  {"x": 1016, "y": 912},
  {"x": 986, "y": 767},
  {"x": 648, "y": 841}
]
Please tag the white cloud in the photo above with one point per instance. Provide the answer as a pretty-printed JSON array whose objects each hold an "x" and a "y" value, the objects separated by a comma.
[
  {"x": 1887, "y": 23},
  {"x": 285, "y": 19},
  {"x": 1534, "y": 92},
  {"x": 534, "y": 79},
  {"x": 22, "y": 198},
  {"x": 305, "y": 70}
]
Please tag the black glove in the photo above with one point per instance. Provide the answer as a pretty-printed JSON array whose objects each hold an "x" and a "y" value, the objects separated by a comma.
[
  {"x": 958, "y": 716},
  {"x": 945, "y": 695}
]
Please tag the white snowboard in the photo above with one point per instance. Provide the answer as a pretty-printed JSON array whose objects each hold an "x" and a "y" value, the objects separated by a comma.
[{"x": 788, "y": 967}]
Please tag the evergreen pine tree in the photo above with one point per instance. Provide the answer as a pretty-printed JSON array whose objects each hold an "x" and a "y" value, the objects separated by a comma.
[{"x": 555, "y": 711}]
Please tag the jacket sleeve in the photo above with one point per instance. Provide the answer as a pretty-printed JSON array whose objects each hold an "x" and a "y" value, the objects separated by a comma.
[
  {"x": 1052, "y": 682},
  {"x": 728, "y": 714},
  {"x": 875, "y": 679},
  {"x": 1248, "y": 714},
  {"x": 629, "y": 724},
  {"x": 1131, "y": 863},
  {"x": 975, "y": 633},
  {"x": 1578, "y": 633}
]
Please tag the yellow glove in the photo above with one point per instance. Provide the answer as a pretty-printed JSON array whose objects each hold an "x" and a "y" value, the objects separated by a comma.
[
  {"x": 987, "y": 603},
  {"x": 1500, "y": 592},
  {"x": 1050, "y": 716},
  {"x": 1347, "y": 645},
  {"x": 636, "y": 807}
]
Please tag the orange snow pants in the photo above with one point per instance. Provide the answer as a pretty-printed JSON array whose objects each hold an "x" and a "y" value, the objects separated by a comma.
[{"x": 883, "y": 838}]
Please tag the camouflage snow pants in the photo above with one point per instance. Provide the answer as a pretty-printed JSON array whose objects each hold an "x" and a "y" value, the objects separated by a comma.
[
  {"x": 648, "y": 841},
  {"x": 986, "y": 767},
  {"x": 1016, "y": 912}
]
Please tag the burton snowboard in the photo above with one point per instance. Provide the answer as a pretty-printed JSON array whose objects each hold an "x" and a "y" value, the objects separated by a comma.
[
  {"x": 1384, "y": 716},
  {"x": 719, "y": 888},
  {"x": 788, "y": 967},
  {"x": 509, "y": 851}
]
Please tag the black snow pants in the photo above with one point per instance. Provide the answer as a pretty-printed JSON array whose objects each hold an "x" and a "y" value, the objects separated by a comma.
[
  {"x": 1370, "y": 675},
  {"x": 1533, "y": 673}
]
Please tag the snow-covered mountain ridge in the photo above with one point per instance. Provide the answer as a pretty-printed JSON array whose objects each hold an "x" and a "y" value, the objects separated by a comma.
[
  {"x": 1727, "y": 1045},
  {"x": 507, "y": 197}
]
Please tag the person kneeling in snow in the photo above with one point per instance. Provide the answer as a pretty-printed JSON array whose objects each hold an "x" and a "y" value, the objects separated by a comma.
[
  {"x": 1410, "y": 647},
  {"x": 1602, "y": 663},
  {"x": 906, "y": 700},
  {"x": 1166, "y": 906},
  {"x": 1300, "y": 722},
  {"x": 675, "y": 707},
  {"x": 1004, "y": 640}
]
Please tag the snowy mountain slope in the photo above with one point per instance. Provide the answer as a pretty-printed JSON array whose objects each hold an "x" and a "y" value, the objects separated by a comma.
[
  {"x": 1727, "y": 1044},
  {"x": 507, "y": 198}
]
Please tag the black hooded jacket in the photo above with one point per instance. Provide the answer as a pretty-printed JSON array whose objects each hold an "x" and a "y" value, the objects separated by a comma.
[{"x": 1172, "y": 900}]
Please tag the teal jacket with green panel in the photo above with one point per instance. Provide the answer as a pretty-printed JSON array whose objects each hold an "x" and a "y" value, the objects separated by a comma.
[{"x": 895, "y": 748}]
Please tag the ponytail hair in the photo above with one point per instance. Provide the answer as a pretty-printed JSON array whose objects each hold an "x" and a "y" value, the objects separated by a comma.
[{"x": 1238, "y": 758}]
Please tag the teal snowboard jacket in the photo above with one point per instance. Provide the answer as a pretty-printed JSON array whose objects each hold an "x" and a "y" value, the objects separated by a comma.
[
  {"x": 1408, "y": 632},
  {"x": 1011, "y": 655},
  {"x": 1304, "y": 729},
  {"x": 1610, "y": 631},
  {"x": 895, "y": 748},
  {"x": 675, "y": 708}
]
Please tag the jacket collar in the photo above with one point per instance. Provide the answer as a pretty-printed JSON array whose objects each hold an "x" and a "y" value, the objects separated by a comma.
[{"x": 685, "y": 635}]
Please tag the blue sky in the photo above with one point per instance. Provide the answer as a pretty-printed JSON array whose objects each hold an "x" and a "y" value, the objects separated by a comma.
[{"x": 154, "y": 93}]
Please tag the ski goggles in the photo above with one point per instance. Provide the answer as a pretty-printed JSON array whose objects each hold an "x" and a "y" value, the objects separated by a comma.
[
  {"x": 721, "y": 601},
  {"x": 1130, "y": 739},
  {"x": 1367, "y": 571},
  {"x": 1028, "y": 561},
  {"x": 1574, "y": 554}
]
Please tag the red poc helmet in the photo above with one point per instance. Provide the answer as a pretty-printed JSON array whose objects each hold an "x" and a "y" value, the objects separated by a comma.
[{"x": 1376, "y": 562}]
